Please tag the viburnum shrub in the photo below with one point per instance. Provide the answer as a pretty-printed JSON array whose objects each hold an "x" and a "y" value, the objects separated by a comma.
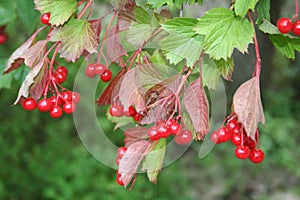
[{"x": 164, "y": 105}]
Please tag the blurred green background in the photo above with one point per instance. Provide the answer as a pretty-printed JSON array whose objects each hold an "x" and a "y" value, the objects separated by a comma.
[{"x": 43, "y": 158}]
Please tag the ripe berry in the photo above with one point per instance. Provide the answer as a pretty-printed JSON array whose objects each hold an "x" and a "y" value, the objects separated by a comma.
[
  {"x": 56, "y": 101},
  {"x": 296, "y": 28},
  {"x": 257, "y": 156},
  {"x": 232, "y": 125},
  {"x": 131, "y": 111},
  {"x": 119, "y": 179},
  {"x": 215, "y": 137},
  {"x": 90, "y": 71},
  {"x": 106, "y": 76},
  {"x": 75, "y": 97},
  {"x": 62, "y": 69},
  {"x": 3, "y": 38},
  {"x": 224, "y": 134},
  {"x": 45, "y": 18},
  {"x": 56, "y": 112},
  {"x": 60, "y": 77},
  {"x": 44, "y": 105},
  {"x": 284, "y": 25},
  {"x": 118, "y": 160},
  {"x": 29, "y": 104},
  {"x": 152, "y": 133},
  {"x": 242, "y": 152},
  {"x": 67, "y": 96},
  {"x": 116, "y": 110},
  {"x": 184, "y": 137},
  {"x": 250, "y": 143},
  {"x": 174, "y": 127},
  {"x": 69, "y": 107},
  {"x": 236, "y": 139},
  {"x": 100, "y": 68},
  {"x": 121, "y": 151},
  {"x": 163, "y": 131},
  {"x": 137, "y": 117}
]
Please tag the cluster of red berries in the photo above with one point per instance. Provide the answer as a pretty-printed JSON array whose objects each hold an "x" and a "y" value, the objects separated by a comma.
[
  {"x": 98, "y": 69},
  {"x": 120, "y": 153},
  {"x": 3, "y": 36},
  {"x": 285, "y": 25},
  {"x": 117, "y": 110},
  {"x": 45, "y": 19},
  {"x": 246, "y": 147},
  {"x": 171, "y": 127},
  {"x": 63, "y": 102}
]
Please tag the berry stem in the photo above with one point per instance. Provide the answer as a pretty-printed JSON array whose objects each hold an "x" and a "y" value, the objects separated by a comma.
[
  {"x": 297, "y": 9},
  {"x": 84, "y": 9},
  {"x": 258, "y": 59}
]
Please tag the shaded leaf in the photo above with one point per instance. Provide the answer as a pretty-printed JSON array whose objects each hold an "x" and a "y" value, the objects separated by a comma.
[
  {"x": 112, "y": 90},
  {"x": 210, "y": 73},
  {"x": 132, "y": 135},
  {"x": 15, "y": 59},
  {"x": 131, "y": 160},
  {"x": 154, "y": 160},
  {"x": 60, "y": 10},
  {"x": 248, "y": 107},
  {"x": 219, "y": 25},
  {"x": 34, "y": 54},
  {"x": 7, "y": 12},
  {"x": 114, "y": 48},
  {"x": 97, "y": 27},
  {"x": 76, "y": 36},
  {"x": 30, "y": 80},
  {"x": 139, "y": 33},
  {"x": 6, "y": 79},
  {"x": 241, "y": 7},
  {"x": 286, "y": 45},
  {"x": 196, "y": 104},
  {"x": 263, "y": 10},
  {"x": 28, "y": 15},
  {"x": 226, "y": 67}
]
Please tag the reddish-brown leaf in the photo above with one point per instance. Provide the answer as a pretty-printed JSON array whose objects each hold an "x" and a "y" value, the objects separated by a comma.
[
  {"x": 130, "y": 161},
  {"x": 126, "y": 15},
  {"x": 196, "y": 104},
  {"x": 34, "y": 77},
  {"x": 16, "y": 59},
  {"x": 114, "y": 48},
  {"x": 35, "y": 53},
  {"x": 135, "y": 134},
  {"x": 248, "y": 107},
  {"x": 112, "y": 90},
  {"x": 96, "y": 27}
]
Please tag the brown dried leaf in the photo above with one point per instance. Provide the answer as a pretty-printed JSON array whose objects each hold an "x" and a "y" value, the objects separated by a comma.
[
  {"x": 15, "y": 59},
  {"x": 34, "y": 54},
  {"x": 112, "y": 90},
  {"x": 135, "y": 134},
  {"x": 197, "y": 106},
  {"x": 131, "y": 160},
  {"x": 114, "y": 48},
  {"x": 248, "y": 106},
  {"x": 31, "y": 79}
]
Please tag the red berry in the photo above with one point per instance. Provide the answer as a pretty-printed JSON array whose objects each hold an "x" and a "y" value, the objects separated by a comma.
[
  {"x": 152, "y": 133},
  {"x": 56, "y": 112},
  {"x": 296, "y": 28},
  {"x": 116, "y": 110},
  {"x": 121, "y": 151},
  {"x": 118, "y": 160},
  {"x": 250, "y": 143},
  {"x": 75, "y": 97},
  {"x": 242, "y": 152},
  {"x": 44, "y": 105},
  {"x": 284, "y": 25},
  {"x": 215, "y": 137},
  {"x": 45, "y": 18},
  {"x": 163, "y": 131},
  {"x": 236, "y": 139},
  {"x": 62, "y": 69},
  {"x": 232, "y": 125},
  {"x": 224, "y": 134},
  {"x": 69, "y": 107},
  {"x": 29, "y": 104},
  {"x": 174, "y": 127},
  {"x": 131, "y": 111},
  {"x": 60, "y": 77},
  {"x": 106, "y": 76},
  {"x": 90, "y": 71},
  {"x": 137, "y": 117},
  {"x": 119, "y": 179},
  {"x": 257, "y": 156},
  {"x": 3, "y": 38},
  {"x": 100, "y": 68},
  {"x": 184, "y": 137},
  {"x": 67, "y": 96},
  {"x": 56, "y": 101}
]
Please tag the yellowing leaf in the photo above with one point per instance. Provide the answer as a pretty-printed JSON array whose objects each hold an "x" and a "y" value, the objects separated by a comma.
[
  {"x": 248, "y": 107},
  {"x": 76, "y": 36}
]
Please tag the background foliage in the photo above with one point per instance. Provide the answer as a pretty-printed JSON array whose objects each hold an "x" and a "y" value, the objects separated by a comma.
[{"x": 43, "y": 158}]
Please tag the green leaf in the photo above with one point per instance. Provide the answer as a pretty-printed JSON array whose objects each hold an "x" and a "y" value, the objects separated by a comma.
[
  {"x": 224, "y": 31},
  {"x": 76, "y": 36},
  {"x": 241, "y": 7},
  {"x": 142, "y": 17},
  {"x": 60, "y": 10},
  {"x": 210, "y": 73},
  {"x": 139, "y": 33},
  {"x": 267, "y": 27},
  {"x": 286, "y": 45},
  {"x": 180, "y": 26},
  {"x": 120, "y": 122},
  {"x": 159, "y": 3},
  {"x": 263, "y": 10},
  {"x": 179, "y": 47},
  {"x": 28, "y": 15},
  {"x": 5, "y": 80},
  {"x": 154, "y": 160},
  {"x": 226, "y": 67},
  {"x": 7, "y": 12}
]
